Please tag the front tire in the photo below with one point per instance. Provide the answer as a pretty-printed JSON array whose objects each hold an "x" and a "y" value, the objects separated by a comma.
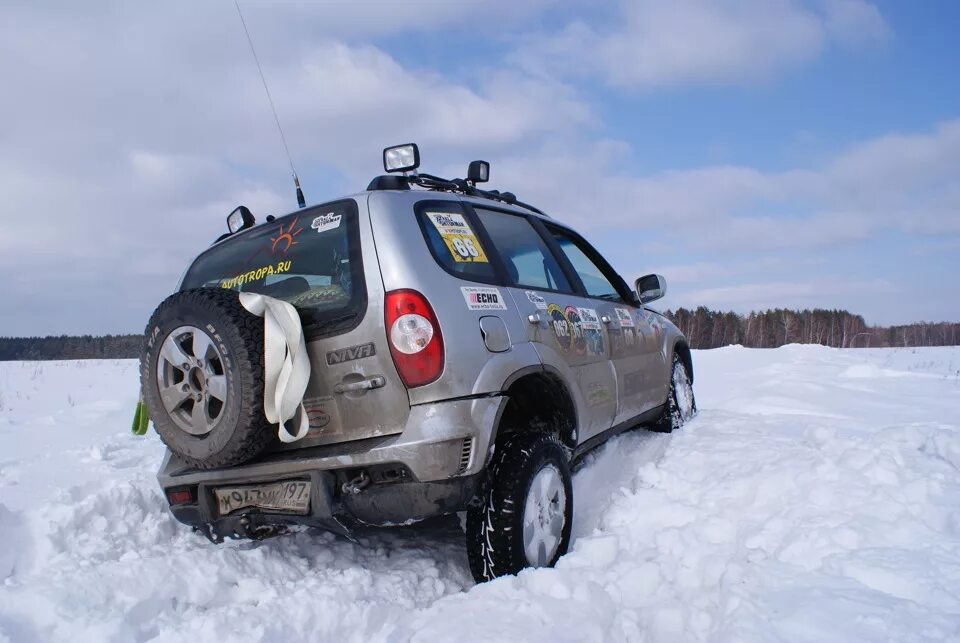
[
  {"x": 526, "y": 513},
  {"x": 681, "y": 404}
]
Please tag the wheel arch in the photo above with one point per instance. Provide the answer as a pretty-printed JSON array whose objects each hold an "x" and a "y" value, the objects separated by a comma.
[
  {"x": 538, "y": 399},
  {"x": 682, "y": 350}
]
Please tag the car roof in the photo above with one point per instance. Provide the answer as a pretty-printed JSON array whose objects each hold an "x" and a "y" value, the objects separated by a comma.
[{"x": 413, "y": 195}]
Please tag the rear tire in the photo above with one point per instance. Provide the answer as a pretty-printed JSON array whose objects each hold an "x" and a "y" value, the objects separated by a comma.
[
  {"x": 681, "y": 404},
  {"x": 526, "y": 513},
  {"x": 201, "y": 371}
]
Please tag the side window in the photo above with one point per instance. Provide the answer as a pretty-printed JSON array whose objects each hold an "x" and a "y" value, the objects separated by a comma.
[
  {"x": 594, "y": 281},
  {"x": 528, "y": 261},
  {"x": 453, "y": 241}
]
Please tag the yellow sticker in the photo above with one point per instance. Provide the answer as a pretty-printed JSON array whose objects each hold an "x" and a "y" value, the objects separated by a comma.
[
  {"x": 256, "y": 274},
  {"x": 457, "y": 234}
]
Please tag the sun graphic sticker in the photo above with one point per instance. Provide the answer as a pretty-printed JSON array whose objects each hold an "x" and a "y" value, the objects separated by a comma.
[{"x": 285, "y": 238}]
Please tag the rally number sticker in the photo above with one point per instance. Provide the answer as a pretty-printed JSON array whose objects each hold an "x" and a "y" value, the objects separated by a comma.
[{"x": 461, "y": 242}]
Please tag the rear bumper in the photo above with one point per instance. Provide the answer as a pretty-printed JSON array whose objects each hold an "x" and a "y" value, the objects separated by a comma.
[{"x": 433, "y": 467}]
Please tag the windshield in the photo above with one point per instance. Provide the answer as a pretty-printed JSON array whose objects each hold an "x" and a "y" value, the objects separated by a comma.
[{"x": 310, "y": 259}]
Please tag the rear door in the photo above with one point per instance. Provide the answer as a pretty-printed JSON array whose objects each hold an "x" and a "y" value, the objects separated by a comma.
[
  {"x": 633, "y": 346},
  {"x": 314, "y": 259},
  {"x": 563, "y": 325}
]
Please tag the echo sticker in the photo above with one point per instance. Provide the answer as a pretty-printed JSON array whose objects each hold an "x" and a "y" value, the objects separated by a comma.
[{"x": 478, "y": 298}]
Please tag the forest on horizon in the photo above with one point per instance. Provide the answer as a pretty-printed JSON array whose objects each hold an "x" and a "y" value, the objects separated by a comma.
[{"x": 704, "y": 328}]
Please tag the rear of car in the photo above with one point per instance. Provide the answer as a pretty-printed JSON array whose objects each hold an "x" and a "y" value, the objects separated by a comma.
[{"x": 388, "y": 415}]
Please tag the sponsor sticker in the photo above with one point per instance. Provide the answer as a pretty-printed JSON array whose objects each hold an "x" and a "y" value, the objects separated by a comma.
[
  {"x": 536, "y": 300},
  {"x": 326, "y": 222},
  {"x": 256, "y": 274},
  {"x": 624, "y": 317},
  {"x": 461, "y": 242},
  {"x": 478, "y": 298},
  {"x": 579, "y": 344},
  {"x": 616, "y": 336},
  {"x": 589, "y": 319},
  {"x": 598, "y": 394},
  {"x": 322, "y": 415},
  {"x": 561, "y": 326}
]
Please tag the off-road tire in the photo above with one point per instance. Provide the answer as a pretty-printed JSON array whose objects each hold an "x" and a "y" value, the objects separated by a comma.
[
  {"x": 494, "y": 529},
  {"x": 673, "y": 417},
  {"x": 242, "y": 431}
]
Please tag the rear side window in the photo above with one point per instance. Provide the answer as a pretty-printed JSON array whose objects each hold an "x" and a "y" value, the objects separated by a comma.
[
  {"x": 528, "y": 261},
  {"x": 454, "y": 241},
  {"x": 310, "y": 259}
]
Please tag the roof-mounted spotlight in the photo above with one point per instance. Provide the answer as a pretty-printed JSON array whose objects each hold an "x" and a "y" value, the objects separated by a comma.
[
  {"x": 478, "y": 172},
  {"x": 240, "y": 219},
  {"x": 401, "y": 158}
]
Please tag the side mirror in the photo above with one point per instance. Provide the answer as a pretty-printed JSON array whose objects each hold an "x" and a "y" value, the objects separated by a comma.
[{"x": 650, "y": 288}]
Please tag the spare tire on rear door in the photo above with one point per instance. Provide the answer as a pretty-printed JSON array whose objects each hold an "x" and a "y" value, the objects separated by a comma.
[{"x": 201, "y": 370}]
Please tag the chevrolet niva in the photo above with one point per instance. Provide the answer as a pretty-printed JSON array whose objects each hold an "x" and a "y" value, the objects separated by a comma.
[{"x": 464, "y": 350}]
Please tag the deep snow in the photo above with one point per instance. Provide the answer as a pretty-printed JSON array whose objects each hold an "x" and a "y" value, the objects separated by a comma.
[{"x": 816, "y": 497}]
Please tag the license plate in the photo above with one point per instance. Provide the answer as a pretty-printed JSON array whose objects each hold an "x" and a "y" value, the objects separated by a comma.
[{"x": 292, "y": 496}]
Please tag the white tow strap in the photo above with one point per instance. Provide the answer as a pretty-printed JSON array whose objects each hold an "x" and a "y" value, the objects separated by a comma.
[{"x": 286, "y": 363}]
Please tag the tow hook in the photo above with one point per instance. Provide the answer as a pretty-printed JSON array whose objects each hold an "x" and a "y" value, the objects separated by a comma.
[
  {"x": 356, "y": 485},
  {"x": 260, "y": 532}
]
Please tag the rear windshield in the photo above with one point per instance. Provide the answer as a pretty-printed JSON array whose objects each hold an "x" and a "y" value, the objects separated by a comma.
[{"x": 310, "y": 259}]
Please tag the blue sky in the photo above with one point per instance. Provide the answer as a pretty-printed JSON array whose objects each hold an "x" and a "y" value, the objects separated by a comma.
[{"x": 759, "y": 153}]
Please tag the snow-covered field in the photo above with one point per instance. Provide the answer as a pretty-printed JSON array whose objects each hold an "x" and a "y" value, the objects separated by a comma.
[{"x": 815, "y": 498}]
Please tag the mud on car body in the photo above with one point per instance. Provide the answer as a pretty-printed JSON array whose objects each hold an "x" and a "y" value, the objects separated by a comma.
[{"x": 465, "y": 348}]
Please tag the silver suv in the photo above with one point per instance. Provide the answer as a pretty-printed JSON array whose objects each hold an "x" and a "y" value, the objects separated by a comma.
[{"x": 465, "y": 350}]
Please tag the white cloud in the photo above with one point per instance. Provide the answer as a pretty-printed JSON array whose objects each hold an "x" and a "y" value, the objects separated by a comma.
[
  {"x": 137, "y": 128},
  {"x": 903, "y": 182},
  {"x": 671, "y": 42}
]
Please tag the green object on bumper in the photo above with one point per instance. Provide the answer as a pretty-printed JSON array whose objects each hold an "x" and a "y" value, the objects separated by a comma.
[{"x": 140, "y": 419}]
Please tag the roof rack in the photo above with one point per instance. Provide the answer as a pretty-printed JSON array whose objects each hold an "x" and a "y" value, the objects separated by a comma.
[{"x": 406, "y": 159}]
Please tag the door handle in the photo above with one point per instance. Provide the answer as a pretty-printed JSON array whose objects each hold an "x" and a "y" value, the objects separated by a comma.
[
  {"x": 534, "y": 318},
  {"x": 377, "y": 381}
]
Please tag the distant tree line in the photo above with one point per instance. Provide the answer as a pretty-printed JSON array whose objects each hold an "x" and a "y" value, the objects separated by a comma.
[
  {"x": 703, "y": 327},
  {"x": 64, "y": 347},
  {"x": 706, "y": 328}
]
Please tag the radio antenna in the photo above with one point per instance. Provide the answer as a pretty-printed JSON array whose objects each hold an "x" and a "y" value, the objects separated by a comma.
[{"x": 296, "y": 180}]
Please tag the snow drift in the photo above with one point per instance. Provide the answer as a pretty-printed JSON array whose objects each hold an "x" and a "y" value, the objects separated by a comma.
[{"x": 816, "y": 497}]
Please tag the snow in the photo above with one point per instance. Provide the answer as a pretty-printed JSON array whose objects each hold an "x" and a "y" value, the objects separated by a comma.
[{"x": 815, "y": 497}]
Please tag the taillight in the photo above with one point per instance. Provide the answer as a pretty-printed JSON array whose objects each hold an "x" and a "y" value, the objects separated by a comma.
[
  {"x": 416, "y": 344},
  {"x": 180, "y": 496}
]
